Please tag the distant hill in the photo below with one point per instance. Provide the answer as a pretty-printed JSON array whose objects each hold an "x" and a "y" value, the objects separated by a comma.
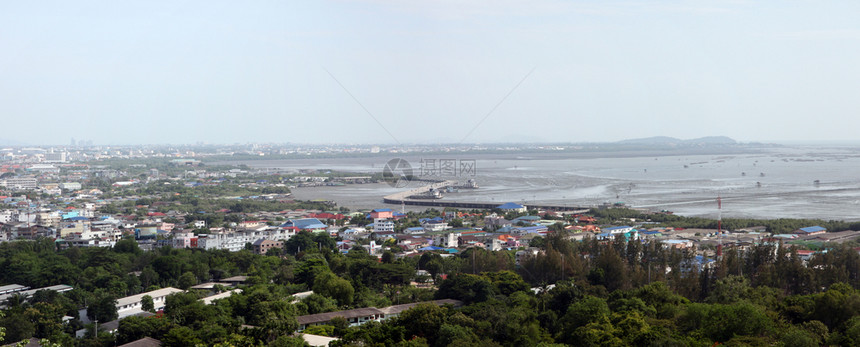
[{"x": 665, "y": 140}]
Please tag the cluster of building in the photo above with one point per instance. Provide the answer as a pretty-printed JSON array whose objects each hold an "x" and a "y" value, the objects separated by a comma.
[
  {"x": 25, "y": 293},
  {"x": 133, "y": 305},
  {"x": 82, "y": 150}
]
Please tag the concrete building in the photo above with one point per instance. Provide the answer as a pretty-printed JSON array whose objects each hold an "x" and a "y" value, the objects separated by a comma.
[
  {"x": 434, "y": 225},
  {"x": 306, "y": 224},
  {"x": 19, "y": 183},
  {"x": 381, "y": 225},
  {"x": 449, "y": 240},
  {"x": 262, "y": 246},
  {"x": 382, "y": 213},
  {"x": 236, "y": 241},
  {"x": 70, "y": 186},
  {"x": 8, "y": 216}
]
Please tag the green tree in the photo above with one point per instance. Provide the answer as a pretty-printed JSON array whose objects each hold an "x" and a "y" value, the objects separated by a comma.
[
  {"x": 330, "y": 285},
  {"x": 103, "y": 307},
  {"x": 316, "y": 303},
  {"x": 181, "y": 336},
  {"x": 186, "y": 280},
  {"x": 136, "y": 327},
  {"x": 423, "y": 320},
  {"x": 288, "y": 341},
  {"x": 147, "y": 304},
  {"x": 466, "y": 287}
]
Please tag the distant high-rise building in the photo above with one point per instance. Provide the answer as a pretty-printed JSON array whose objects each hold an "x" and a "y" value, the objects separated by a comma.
[{"x": 73, "y": 143}]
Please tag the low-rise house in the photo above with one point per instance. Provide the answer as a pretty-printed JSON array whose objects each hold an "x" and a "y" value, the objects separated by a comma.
[
  {"x": 131, "y": 305},
  {"x": 235, "y": 280},
  {"x": 355, "y": 317},
  {"x": 210, "y": 299},
  {"x": 805, "y": 255},
  {"x": 414, "y": 230},
  {"x": 521, "y": 256},
  {"x": 360, "y": 316},
  {"x": 495, "y": 222},
  {"x": 675, "y": 243},
  {"x": 542, "y": 230},
  {"x": 411, "y": 242},
  {"x": 526, "y": 220},
  {"x": 434, "y": 225}
]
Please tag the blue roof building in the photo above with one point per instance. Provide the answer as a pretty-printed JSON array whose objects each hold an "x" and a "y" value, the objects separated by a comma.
[
  {"x": 311, "y": 224},
  {"x": 814, "y": 230},
  {"x": 511, "y": 206},
  {"x": 414, "y": 230}
]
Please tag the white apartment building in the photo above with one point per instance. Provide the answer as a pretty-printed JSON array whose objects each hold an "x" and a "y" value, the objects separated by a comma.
[
  {"x": 383, "y": 225},
  {"x": 69, "y": 186},
  {"x": 236, "y": 241},
  {"x": 130, "y": 305},
  {"x": 19, "y": 183},
  {"x": 433, "y": 226},
  {"x": 8, "y": 216}
]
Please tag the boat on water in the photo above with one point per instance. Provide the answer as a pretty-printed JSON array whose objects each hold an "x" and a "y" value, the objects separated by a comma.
[{"x": 469, "y": 184}]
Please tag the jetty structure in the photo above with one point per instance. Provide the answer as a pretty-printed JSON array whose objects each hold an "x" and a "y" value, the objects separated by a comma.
[{"x": 408, "y": 197}]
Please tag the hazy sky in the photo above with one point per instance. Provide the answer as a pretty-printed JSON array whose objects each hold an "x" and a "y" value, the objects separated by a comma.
[{"x": 128, "y": 72}]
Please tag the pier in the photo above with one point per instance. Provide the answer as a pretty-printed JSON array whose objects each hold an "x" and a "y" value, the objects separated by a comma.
[{"x": 403, "y": 198}]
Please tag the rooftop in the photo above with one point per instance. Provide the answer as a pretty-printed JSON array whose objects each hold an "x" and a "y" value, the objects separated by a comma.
[
  {"x": 812, "y": 229},
  {"x": 397, "y": 309},
  {"x": 510, "y": 206},
  {"x": 144, "y": 342},
  {"x": 209, "y": 299},
  {"x": 325, "y": 317},
  {"x": 128, "y": 300}
]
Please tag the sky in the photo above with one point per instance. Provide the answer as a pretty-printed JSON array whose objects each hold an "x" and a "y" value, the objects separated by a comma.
[{"x": 446, "y": 71}]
